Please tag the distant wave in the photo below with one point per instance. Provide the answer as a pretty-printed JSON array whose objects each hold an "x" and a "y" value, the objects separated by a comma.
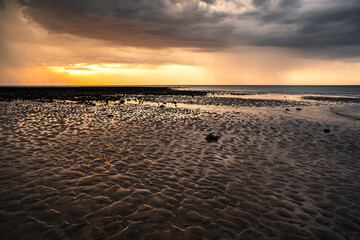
[{"x": 345, "y": 91}]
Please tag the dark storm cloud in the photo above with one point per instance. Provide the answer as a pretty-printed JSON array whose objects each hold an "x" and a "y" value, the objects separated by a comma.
[
  {"x": 327, "y": 31},
  {"x": 145, "y": 23},
  {"x": 261, "y": 3},
  {"x": 207, "y": 24}
]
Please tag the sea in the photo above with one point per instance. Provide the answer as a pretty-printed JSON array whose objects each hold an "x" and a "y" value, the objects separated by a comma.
[{"x": 327, "y": 90}]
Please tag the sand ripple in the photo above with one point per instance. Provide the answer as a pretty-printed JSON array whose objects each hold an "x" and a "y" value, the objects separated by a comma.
[{"x": 73, "y": 172}]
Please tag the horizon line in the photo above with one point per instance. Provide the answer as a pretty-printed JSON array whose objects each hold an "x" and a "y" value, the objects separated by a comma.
[{"x": 278, "y": 85}]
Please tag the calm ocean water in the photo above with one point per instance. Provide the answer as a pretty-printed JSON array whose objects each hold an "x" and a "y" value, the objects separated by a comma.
[{"x": 348, "y": 90}]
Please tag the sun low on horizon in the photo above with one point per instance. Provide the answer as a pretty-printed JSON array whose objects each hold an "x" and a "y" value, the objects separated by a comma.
[{"x": 192, "y": 42}]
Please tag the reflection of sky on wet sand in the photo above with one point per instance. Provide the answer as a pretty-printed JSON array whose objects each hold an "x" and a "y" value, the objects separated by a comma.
[
  {"x": 269, "y": 103},
  {"x": 264, "y": 96},
  {"x": 274, "y": 96}
]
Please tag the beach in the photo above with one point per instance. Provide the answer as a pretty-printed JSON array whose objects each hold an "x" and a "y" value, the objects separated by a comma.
[{"x": 138, "y": 166}]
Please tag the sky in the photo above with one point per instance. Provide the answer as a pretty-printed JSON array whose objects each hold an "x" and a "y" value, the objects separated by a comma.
[{"x": 173, "y": 42}]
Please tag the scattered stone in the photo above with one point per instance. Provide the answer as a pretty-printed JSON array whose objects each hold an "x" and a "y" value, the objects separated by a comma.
[
  {"x": 298, "y": 109},
  {"x": 287, "y": 109},
  {"x": 86, "y": 102},
  {"x": 162, "y": 106},
  {"x": 212, "y": 138},
  {"x": 110, "y": 116},
  {"x": 326, "y": 130}
]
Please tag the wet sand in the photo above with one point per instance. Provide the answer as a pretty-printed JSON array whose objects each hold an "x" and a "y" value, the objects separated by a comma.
[{"x": 141, "y": 171}]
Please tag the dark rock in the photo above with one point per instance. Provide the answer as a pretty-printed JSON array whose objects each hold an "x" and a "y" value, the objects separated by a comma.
[
  {"x": 110, "y": 116},
  {"x": 287, "y": 109},
  {"x": 122, "y": 101},
  {"x": 212, "y": 138},
  {"x": 162, "y": 106},
  {"x": 298, "y": 109},
  {"x": 326, "y": 130}
]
